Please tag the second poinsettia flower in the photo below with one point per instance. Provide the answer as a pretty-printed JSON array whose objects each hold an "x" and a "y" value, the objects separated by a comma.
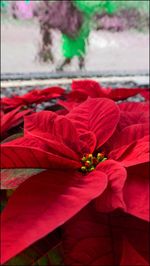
[
  {"x": 34, "y": 96},
  {"x": 82, "y": 89}
]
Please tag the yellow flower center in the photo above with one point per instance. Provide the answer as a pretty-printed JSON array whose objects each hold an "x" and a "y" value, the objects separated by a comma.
[{"x": 90, "y": 161}]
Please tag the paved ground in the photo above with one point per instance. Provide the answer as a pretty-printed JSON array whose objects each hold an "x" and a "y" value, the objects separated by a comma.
[{"x": 125, "y": 51}]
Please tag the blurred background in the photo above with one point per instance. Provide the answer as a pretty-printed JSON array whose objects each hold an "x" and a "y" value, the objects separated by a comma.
[{"x": 50, "y": 36}]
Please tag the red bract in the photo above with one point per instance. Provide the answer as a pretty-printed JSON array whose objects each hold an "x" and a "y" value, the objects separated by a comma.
[
  {"x": 92, "y": 238},
  {"x": 146, "y": 94},
  {"x": 47, "y": 250},
  {"x": 82, "y": 89},
  {"x": 94, "y": 90},
  {"x": 136, "y": 190},
  {"x": 133, "y": 113},
  {"x": 11, "y": 120},
  {"x": 34, "y": 96},
  {"x": 70, "y": 147}
]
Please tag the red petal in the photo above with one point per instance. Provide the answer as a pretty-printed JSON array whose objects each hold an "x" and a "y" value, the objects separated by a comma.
[
  {"x": 44, "y": 202},
  {"x": 47, "y": 249},
  {"x": 29, "y": 152},
  {"x": 11, "y": 103},
  {"x": 34, "y": 96},
  {"x": 136, "y": 232},
  {"x": 71, "y": 137},
  {"x": 132, "y": 118},
  {"x": 94, "y": 90},
  {"x": 112, "y": 197},
  {"x": 133, "y": 113},
  {"x": 136, "y": 191},
  {"x": 38, "y": 96},
  {"x": 93, "y": 238},
  {"x": 129, "y": 135},
  {"x": 12, "y": 119},
  {"x": 47, "y": 125},
  {"x": 50, "y": 93},
  {"x": 89, "y": 87},
  {"x": 40, "y": 122},
  {"x": 135, "y": 153},
  {"x": 130, "y": 256},
  {"x": 68, "y": 105},
  {"x": 134, "y": 107},
  {"x": 99, "y": 116},
  {"x": 90, "y": 239},
  {"x": 89, "y": 142},
  {"x": 123, "y": 93},
  {"x": 146, "y": 94},
  {"x": 73, "y": 99}
]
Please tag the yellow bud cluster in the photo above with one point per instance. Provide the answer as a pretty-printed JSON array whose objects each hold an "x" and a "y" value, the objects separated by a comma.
[{"x": 89, "y": 161}]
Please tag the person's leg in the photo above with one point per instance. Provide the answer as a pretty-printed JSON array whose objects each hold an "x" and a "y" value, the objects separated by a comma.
[
  {"x": 66, "y": 61},
  {"x": 45, "y": 53},
  {"x": 81, "y": 62}
]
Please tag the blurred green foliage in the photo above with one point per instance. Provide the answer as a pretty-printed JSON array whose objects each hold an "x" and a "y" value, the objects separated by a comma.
[{"x": 141, "y": 5}]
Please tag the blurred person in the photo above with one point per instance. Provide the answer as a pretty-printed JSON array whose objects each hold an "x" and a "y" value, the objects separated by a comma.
[
  {"x": 74, "y": 19},
  {"x": 60, "y": 15}
]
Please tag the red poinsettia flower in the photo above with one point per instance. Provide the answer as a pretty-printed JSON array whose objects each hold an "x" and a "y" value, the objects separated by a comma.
[
  {"x": 11, "y": 120},
  {"x": 82, "y": 89},
  {"x": 94, "y": 90},
  {"x": 82, "y": 164},
  {"x": 93, "y": 238},
  {"x": 34, "y": 96}
]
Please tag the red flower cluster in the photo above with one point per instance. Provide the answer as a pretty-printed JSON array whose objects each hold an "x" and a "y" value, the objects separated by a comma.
[
  {"x": 93, "y": 161},
  {"x": 14, "y": 109},
  {"x": 82, "y": 89},
  {"x": 32, "y": 97}
]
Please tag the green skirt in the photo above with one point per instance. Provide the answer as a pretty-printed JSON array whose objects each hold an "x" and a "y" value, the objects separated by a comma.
[{"x": 76, "y": 46}]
